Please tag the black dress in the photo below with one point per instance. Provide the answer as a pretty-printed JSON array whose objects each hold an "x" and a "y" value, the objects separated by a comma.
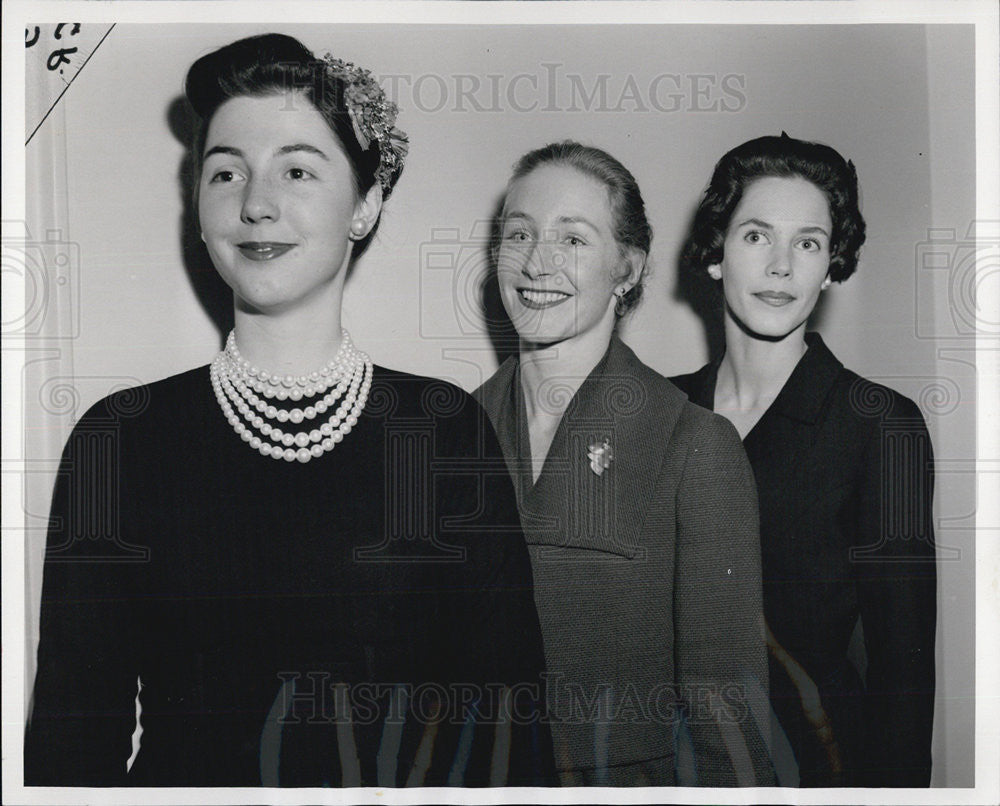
[
  {"x": 844, "y": 473},
  {"x": 356, "y": 620}
]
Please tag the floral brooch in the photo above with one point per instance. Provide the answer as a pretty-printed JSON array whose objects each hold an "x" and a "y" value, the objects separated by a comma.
[{"x": 601, "y": 455}]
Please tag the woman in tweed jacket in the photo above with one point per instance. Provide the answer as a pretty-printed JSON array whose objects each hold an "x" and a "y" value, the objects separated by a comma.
[{"x": 639, "y": 508}]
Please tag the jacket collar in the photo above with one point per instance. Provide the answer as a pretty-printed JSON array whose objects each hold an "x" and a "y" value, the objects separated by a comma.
[
  {"x": 621, "y": 400},
  {"x": 808, "y": 387},
  {"x": 805, "y": 392}
]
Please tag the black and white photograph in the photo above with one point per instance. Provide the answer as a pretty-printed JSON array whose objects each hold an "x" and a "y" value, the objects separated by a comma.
[{"x": 501, "y": 402}]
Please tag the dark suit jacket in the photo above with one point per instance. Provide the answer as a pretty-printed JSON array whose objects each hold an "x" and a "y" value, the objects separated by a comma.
[
  {"x": 845, "y": 476},
  {"x": 646, "y": 580}
]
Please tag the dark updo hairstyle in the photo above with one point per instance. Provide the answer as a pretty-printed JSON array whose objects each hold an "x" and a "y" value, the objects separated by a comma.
[
  {"x": 273, "y": 64},
  {"x": 782, "y": 156},
  {"x": 628, "y": 212}
]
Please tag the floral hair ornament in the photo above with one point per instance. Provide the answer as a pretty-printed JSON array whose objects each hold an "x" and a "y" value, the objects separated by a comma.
[{"x": 373, "y": 118}]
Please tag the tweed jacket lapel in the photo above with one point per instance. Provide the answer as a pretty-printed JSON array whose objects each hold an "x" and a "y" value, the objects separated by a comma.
[
  {"x": 497, "y": 397},
  {"x": 622, "y": 404}
]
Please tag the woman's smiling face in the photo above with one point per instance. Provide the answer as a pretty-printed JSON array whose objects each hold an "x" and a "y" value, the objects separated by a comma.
[
  {"x": 776, "y": 255},
  {"x": 276, "y": 201},
  {"x": 558, "y": 255}
]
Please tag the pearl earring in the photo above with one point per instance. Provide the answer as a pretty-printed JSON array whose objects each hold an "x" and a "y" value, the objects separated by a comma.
[
  {"x": 620, "y": 307},
  {"x": 357, "y": 228},
  {"x": 825, "y": 284},
  {"x": 715, "y": 272}
]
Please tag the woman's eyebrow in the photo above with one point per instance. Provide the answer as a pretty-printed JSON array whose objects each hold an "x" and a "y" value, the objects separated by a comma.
[
  {"x": 235, "y": 152},
  {"x": 301, "y": 147},
  {"x": 567, "y": 219},
  {"x": 507, "y": 216},
  {"x": 289, "y": 149},
  {"x": 756, "y": 222}
]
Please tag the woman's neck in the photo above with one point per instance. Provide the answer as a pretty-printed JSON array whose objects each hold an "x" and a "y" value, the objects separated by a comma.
[
  {"x": 288, "y": 344},
  {"x": 565, "y": 364},
  {"x": 753, "y": 370}
]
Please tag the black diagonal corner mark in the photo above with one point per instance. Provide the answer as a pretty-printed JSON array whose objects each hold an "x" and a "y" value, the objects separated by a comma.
[{"x": 61, "y": 94}]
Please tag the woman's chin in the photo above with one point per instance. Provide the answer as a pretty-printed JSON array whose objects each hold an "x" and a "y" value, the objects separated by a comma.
[
  {"x": 537, "y": 340},
  {"x": 264, "y": 304},
  {"x": 531, "y": 327},
  {"x": 767, "y": 328}
]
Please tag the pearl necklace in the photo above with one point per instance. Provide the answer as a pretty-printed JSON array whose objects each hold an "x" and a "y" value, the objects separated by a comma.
[{"x": 238, "y": 384}]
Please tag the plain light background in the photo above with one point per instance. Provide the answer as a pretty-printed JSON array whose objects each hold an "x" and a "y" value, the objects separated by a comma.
[{"x": 104, "y": 178}]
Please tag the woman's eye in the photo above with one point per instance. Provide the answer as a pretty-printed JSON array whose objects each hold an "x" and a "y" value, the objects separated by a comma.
[
  {"x": 299, "y": 173},
  {"x": 754, "y": 236},
  {"x": 519, "y": 236},
  {"x": 575, "y": 240},
  {"x": 223, "y": 176},
  {"x": 811, "y": 245}
]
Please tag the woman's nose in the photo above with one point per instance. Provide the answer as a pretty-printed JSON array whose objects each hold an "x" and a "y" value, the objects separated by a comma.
[
  {"x": 533, "y": 264},
  {"x": 544, "y": 259},
  {"x": 780, "y": 264},
  {"x": 259, "y": 203}
]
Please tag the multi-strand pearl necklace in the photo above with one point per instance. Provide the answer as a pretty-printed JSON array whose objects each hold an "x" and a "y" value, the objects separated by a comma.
[{"x": 240, "y": 387}]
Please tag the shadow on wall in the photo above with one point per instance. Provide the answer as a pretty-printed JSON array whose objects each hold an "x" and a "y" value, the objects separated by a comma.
[
  {"x": 213, "y": 294},
  {"x": 499, "y": 328}
]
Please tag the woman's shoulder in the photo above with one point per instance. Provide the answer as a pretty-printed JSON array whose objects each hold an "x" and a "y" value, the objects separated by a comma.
[
  {"x": 693, "y": 428},
  {"x": 870, "y": 404},
  {"x": 690, "y": 383},
  {"x": 404, "y": 395},
  {"x": 145, "y": 419},
  {"x": 148, "y": 401},
  {"x": 495, "y": 388},
  {"x": 827, "y": 390},
  {"x": 421, "y": 404},
  {"x": 624, "y": 368},
  {"x": 696, "y": 426},
  {"x": 705, "y": 431}
]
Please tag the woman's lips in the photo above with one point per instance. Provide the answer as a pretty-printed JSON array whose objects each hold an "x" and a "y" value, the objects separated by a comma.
[
  {"x": 774, "y": 298},
  {"x": 540, "y": 299},
  {"x": 263, "y": 250}
]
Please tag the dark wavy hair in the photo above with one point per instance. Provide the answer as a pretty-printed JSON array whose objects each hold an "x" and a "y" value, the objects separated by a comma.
[
  {"x": 628, "y": 211},
  {"x": 273, "y": 64},
  {"x": 782, "y": 156}
]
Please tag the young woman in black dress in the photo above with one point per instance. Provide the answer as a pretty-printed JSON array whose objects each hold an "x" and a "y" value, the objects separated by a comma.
[
  {"x": 327, "y": 591},
  {"x": 843, "y": 468}
]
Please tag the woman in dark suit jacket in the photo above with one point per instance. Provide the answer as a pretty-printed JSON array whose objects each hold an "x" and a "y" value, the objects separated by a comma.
[
  {"x": 843, "y": 468},
  {"x": 638, "y": 507}
]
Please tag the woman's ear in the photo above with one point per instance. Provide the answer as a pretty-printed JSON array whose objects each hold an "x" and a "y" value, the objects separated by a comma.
[
  {"x": 366, "y": 212},
  {"x": 633, "y": 266}
]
